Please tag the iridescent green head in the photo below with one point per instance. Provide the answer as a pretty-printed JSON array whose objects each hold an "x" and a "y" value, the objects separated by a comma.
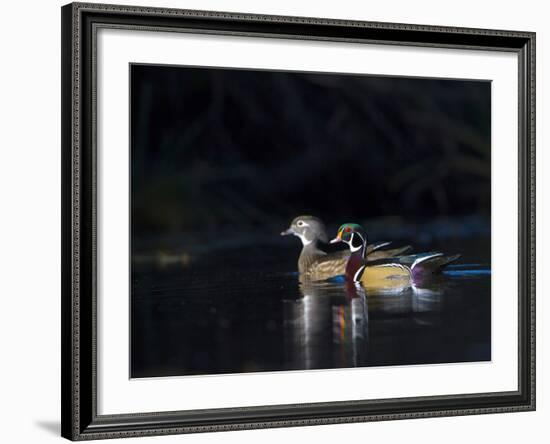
[{"x": 352, "y": 234}]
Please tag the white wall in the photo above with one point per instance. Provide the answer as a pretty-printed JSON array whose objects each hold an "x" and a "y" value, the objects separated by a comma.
[{"x": 30, "y": 218}]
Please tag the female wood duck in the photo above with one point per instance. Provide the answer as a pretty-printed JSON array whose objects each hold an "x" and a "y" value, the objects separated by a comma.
[
  {"x": 315, "y": 263},
  {"x": 396, "y": 272}
]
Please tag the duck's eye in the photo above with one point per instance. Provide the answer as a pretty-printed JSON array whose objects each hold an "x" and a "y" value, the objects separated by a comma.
[
  {"x": 347, "y": 230},
  {"x": 300, "y": 223}
]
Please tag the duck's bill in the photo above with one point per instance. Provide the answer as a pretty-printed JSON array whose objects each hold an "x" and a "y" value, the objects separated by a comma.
[
  {"x": 336, "y": 240},
  {"x": 287, "y": 232}
]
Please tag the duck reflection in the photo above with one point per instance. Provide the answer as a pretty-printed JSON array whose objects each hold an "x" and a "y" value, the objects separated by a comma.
[
  {"x": 329, "y": 325},
  {"x": 420, "y": 303}
]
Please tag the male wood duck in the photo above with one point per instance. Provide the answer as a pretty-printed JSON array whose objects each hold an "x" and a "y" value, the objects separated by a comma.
[
  {"x": 395, "y": 272},
  {"x": 315, "y": 263}
]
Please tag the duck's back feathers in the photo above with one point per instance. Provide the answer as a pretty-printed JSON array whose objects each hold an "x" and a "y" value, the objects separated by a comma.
[
  {"x": 436, "y": 264},
  {"x": 376, "y": 246},
  {"x": 426, "y": 263},
  {"x": 323, "y": 266},
  {"x": 383, "y": 254}
]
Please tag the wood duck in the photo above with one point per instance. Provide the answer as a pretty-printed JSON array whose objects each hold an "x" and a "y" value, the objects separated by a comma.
[
  {"x": 315, "y": 262},
  {"x": 397, "y": 272}
]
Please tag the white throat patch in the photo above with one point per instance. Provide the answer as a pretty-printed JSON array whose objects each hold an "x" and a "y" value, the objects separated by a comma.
[
  {"x": 304, "y": 239},
  {"x": 350, "y": 243}
]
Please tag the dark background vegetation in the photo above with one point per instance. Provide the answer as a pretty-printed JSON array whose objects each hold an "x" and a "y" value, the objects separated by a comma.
[{"x": 248, "y": 150}]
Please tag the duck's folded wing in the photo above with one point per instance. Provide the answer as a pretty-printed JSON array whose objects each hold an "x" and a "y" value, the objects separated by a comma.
[
  {"x": 436, "y": 264},
  {"x": 383, "y": 254},
  {"x": 331, "y": 265},
  {"x": 376, "y": 246},
  {"x": 430, "y": 262}
]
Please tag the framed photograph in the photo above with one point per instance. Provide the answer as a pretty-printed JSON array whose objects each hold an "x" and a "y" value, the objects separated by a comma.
[{"x": 280, "y": 221}]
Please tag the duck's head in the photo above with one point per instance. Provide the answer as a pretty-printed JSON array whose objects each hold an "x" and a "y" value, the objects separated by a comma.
[
  {"x": 352, "y": 234},
  {"x": 308, "y": 228}
]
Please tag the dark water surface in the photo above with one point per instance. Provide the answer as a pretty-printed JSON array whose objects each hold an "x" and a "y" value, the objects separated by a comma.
[{"x": 243, "y": 310}]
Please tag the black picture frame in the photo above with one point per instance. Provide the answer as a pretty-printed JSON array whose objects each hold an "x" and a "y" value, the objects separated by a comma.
[{"x": 80, "y": 420}]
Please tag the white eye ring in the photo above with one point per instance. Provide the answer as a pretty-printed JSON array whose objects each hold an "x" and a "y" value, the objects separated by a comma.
[{"x": 300, "y": 223}]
